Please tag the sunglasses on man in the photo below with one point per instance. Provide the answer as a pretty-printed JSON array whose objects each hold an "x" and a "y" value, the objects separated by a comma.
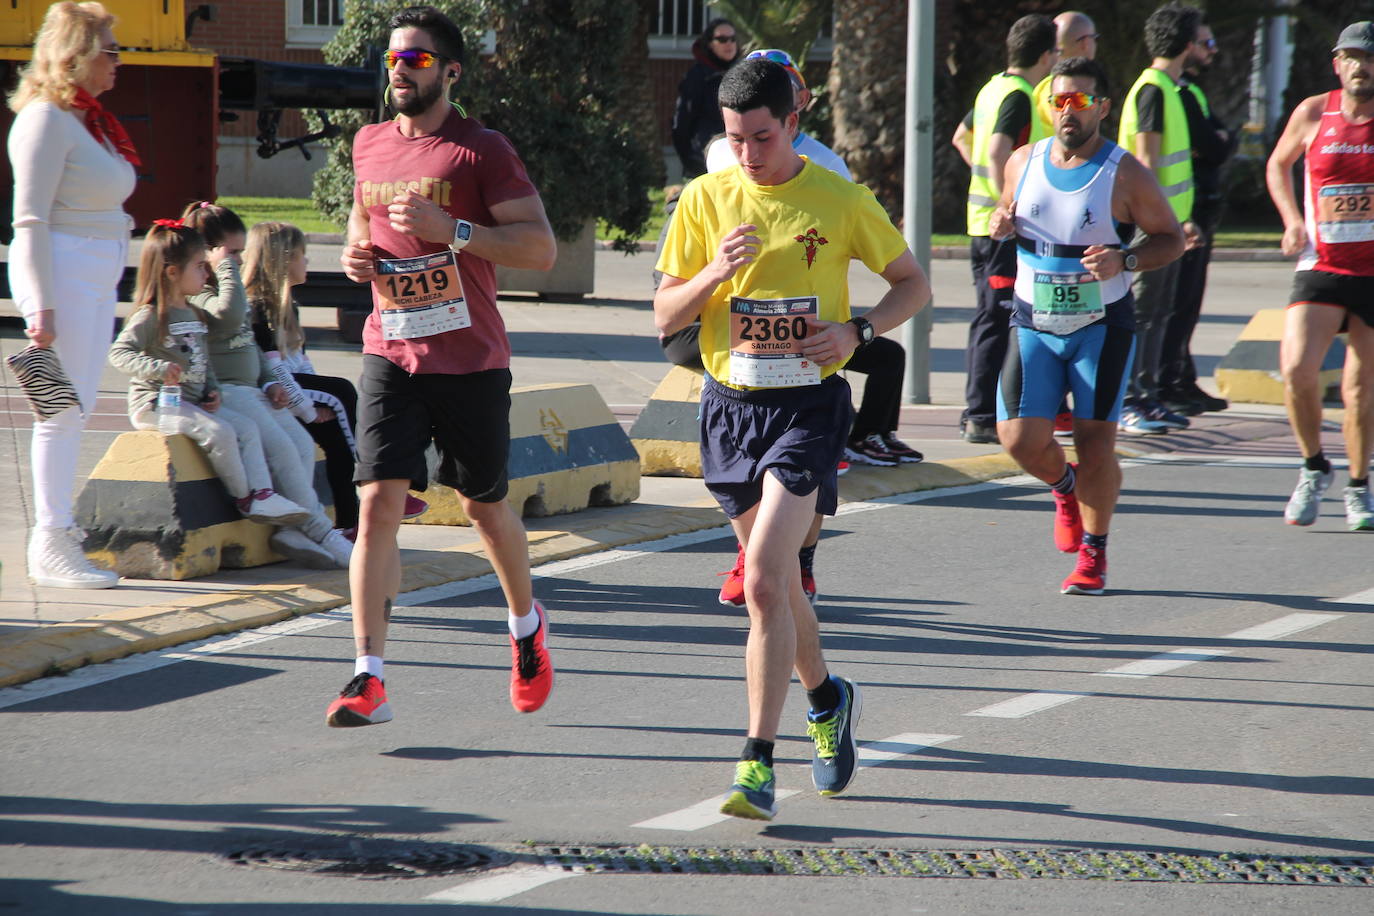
[
  {"x": 1078, "y": 101},
  {"x": 414, "y": 58}
]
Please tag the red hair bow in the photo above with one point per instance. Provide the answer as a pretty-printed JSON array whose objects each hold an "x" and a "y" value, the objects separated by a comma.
[{"x": 170, "y": 223}]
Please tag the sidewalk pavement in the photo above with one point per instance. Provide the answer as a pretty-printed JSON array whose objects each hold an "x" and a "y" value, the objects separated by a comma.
[{"x": 606, "y": 340}]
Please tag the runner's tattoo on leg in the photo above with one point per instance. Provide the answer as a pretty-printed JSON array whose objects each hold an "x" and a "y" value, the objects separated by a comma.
[{"x": 365, "y": 643}]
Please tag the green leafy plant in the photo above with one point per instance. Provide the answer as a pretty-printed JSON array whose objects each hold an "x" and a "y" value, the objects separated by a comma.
[{"x": 552, "y": 86}]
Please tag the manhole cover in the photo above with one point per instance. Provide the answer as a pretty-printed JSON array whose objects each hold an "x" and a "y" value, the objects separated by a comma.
[
  {"x": 371, "y": 857},
  {"x": 1110, "y": 865}
]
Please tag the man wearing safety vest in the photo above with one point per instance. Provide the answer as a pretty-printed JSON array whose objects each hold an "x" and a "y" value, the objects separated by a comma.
[
  {"x": 1154, "y": 128},
  {"x": 1002, "y": 121}
]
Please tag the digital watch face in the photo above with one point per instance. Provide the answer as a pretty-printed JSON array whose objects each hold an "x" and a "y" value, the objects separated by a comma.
[{"x": 464, "y": 232}]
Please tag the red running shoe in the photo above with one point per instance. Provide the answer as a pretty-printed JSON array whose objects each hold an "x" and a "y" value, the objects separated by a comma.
[
  {"x": 842, "y": 468},
  {"x": 1068, "y": 522},
  {"x": 415, "y": 507},
  {"x": 531, "y": 671},
  {"x": 732, "y": 592},
  {"x": 362, "y": 702},
  {"x": 1089, "y": 577},
  {"x": 809, "y": 586},
  {"x": 1063, "y": 424}
]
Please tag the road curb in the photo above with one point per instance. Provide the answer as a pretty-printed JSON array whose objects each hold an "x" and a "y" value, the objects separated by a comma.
[{"x": 61, "y": 647}]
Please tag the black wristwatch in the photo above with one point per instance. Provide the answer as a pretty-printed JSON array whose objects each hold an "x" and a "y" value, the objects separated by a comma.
[
  {"x": 1129, "y": 260},
  {"x": 865, "y": 330}
]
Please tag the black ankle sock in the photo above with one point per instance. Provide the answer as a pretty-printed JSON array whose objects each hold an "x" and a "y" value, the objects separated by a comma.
[
  {"x": 1064, "y": 485},
  {"x": 807, "y": 556},
  {"x": 1095, "y": 541},
  {"x": 758, "y": 749},
  {"x": 824, "y": 697},
  {"x": 1318, "y": 462},
  {"x": 1361, "y": 482}
]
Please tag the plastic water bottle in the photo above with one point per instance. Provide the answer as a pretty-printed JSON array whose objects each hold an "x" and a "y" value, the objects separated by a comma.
[
  {"x": 168, "y": 409},
  {"x": 296, "y": 400}
]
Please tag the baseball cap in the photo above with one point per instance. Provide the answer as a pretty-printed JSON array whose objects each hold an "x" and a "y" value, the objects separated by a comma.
[
  {"x": 783, "y": 58},
  {"x": 1358, "y": 36}
]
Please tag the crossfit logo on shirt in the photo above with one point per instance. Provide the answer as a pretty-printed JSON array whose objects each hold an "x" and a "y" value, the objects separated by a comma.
[
  {"x": 380, "y": 193},
  {"x": 811, "y": 241}
]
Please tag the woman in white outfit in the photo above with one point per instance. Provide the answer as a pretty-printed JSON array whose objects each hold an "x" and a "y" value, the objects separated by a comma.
[{"x": 73, "y": 169}]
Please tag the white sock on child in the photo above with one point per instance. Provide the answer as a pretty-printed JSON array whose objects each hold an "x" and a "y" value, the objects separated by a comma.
[
  {"x": 368, "y": 664},
  {"x": 520, "y": 627}
]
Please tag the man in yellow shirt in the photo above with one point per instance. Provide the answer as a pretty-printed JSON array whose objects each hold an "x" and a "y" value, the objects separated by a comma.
[{"x": 760, "y": 252}]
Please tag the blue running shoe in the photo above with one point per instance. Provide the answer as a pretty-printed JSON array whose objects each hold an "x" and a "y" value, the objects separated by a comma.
[
  {"x": 752, "y": 794},
  {"x": 837, "y": 753}
]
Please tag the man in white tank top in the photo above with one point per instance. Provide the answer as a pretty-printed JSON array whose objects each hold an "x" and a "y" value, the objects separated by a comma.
[{"x": 1070, "y": 201}]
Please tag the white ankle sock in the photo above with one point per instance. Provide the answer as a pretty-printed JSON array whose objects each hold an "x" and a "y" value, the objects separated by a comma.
[
  {"x": 368, "y": 664},
  {"x": 520, "y": 627}
]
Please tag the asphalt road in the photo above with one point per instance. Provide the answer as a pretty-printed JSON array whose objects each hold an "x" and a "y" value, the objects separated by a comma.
[{"x": 1217, "y": 700}]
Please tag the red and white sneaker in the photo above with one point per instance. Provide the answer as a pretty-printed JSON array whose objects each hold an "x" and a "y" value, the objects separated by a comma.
[
  {"x": 1068, "y": 522},
  {"x": 1090, "y": 575},
  {"x": 415, "y": 507},
  {"x": 362, "y": 702},
  {"x": 531, "y": 670},
  {"x": 842, "y": 468},
  {"x": 732, "y": 592},
  {"x": 1063, "y": 424}
]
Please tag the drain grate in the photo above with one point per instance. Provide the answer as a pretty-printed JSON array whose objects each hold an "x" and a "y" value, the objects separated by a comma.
[
  {"x": 371, "y": 857},
  {"x": 1110, "y": 865}
]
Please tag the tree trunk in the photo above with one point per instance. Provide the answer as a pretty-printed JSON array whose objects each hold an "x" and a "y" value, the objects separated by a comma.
[{"x": 638, "y": 104}]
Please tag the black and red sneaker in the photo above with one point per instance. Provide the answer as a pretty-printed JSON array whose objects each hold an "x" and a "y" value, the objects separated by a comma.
[
  {"x": 415, "y": 507},
  {"x": 531, "y": 670},
  {"x": 901, "y": 451},
  {"x": 1063, "y": 424},
  {"x": 362, "y": 702},
  {"x": 870, "y": 450}
]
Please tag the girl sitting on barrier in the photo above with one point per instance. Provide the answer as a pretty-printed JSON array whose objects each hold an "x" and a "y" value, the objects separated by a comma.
[
  {"x": 248, "y": 388},
  {"x": 173, "y": 386},
  {"x": 274, "y": 260}
]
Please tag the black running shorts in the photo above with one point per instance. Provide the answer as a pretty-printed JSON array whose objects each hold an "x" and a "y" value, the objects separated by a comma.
[{"x": 1320, "y": 287}]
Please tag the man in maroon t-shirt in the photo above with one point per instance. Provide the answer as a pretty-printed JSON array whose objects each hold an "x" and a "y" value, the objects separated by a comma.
[{"x": 438, "y": 200}]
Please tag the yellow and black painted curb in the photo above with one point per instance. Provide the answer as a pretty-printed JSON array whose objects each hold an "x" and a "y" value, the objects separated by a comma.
[
  {"x": 1249, "y": 373},
  {"x": 666, "y": 432},
  {"x": 61, "y": 647}
]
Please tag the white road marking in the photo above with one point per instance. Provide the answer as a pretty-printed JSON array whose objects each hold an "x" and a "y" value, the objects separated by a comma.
[
  {"x": 1278, "y": 628},
  {"x": 1364, "y": 597},
  {"x": 495, "y": 888},
  {"x": 872, "y": 754},
  {"x": 1283, "y": 626},
  {"x": 1027, "y": 704}
]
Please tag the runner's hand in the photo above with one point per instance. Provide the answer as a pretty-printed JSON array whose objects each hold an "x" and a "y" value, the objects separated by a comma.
[
  {"x": 358, "y": 262},
  {"x": 412, "y": 214},
  {"x": 1103, "y": 262},
  {"x": 1003, "y": 222},
  {"x": 1294, "y": 239},
  {"x": 829, "y": 342},
  {"x": 210, "y": 402},
  {"x": 736, "y": 249}
]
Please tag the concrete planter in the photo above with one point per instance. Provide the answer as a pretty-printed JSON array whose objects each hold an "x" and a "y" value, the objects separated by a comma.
[{"x": 573, "y": 274}]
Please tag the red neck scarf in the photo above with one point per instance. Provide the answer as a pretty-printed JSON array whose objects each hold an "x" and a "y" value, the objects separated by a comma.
[{"x": 105, "y": 126}]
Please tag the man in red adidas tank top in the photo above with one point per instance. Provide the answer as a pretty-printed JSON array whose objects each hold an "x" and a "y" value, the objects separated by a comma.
[{"x": 1333, "y": 291}]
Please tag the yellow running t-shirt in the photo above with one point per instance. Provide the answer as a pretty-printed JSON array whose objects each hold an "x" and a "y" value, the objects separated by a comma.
[{"x": 809, "y": 229}]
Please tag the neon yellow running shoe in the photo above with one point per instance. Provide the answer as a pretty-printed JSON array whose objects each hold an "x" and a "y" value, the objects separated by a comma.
[{"x": 752, "y": 794}]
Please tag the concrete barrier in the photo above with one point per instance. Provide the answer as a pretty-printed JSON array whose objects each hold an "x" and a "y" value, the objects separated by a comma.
[
  {"x": 666, "y": 434},
  {"x": 154, "y": 509},
  {"x": 567, "y": 453},
  {"x": 1250, "y": 373}
]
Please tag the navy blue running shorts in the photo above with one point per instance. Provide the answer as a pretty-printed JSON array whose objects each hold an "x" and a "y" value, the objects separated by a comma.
[
  {"x": 466, "y": 416},
  {"x": 797, "y": 434}
]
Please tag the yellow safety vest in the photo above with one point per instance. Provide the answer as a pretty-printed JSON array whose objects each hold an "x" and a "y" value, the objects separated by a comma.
[
  {"x": 982, "y": 194},
  {"x": 1175, "y": 170},
  {"x": 1201, "y": 97},
  {"x": 1044, "y": 114}
]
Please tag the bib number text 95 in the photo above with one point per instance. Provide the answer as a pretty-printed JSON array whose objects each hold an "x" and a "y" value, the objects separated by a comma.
[{"x": 764, "y": 328}]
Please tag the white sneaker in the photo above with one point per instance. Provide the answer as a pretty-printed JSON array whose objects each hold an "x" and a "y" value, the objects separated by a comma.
[
  {"x": 1359, "y": 511},
  {"x": 56, "y": 560},
  {"x": 268, "y": 507},
  {"x": 1305, "y": 504},
  {"x": 294, "y": 545},
  {"x": 339, "y": 547}
]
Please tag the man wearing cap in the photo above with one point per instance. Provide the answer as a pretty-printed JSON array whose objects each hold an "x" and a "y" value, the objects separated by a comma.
[{"x": 1333, "y": 289}]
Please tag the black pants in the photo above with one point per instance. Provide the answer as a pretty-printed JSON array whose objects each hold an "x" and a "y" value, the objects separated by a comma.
[
  {"x": 1176, "y": 369},
  {"x": 338, "y": 454},
  {"x": 994, "y": 268}
]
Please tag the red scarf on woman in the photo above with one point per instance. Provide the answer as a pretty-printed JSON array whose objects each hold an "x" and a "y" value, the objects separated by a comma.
[{"x": 105, "y": 126}]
